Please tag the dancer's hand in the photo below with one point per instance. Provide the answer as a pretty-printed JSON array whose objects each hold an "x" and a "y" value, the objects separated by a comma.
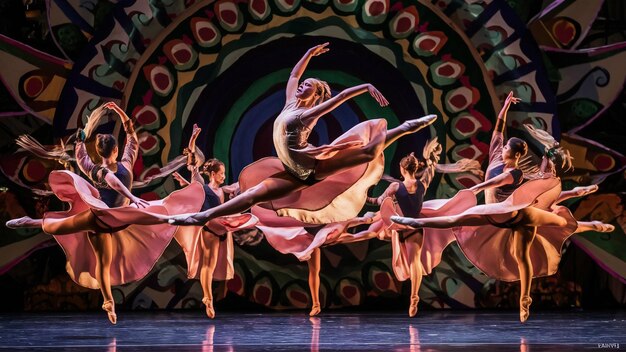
[
  {"x": 140, "y": 203},
  {"x": 377, "y": 95},
  {"x": 319, "y": 49},
  {"x": 181, "y": 180},
  {"x": 511, "y": 99},
  {"x": 196, "y": 130}
]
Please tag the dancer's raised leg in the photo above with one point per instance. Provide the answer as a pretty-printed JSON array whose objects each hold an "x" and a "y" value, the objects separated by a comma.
[{"x": 271, "y": 188}]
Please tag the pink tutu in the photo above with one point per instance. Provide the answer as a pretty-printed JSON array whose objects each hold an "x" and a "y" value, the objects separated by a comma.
[
  {"x": 491, "y": 248},
  {"x": 336, "y": 198},
  {"x": 190, "y": 237},
  {"x": 136, "y": 248},
  {"x": 432, "y": 241}
]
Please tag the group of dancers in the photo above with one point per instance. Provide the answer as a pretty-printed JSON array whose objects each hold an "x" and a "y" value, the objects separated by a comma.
[{"x": 309, "y": 197}]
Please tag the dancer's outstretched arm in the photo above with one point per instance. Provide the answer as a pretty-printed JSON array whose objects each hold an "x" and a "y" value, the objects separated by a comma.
[
  {"x": 431, "y": 166},
  {"x": 119, "y": 187},
  {"x": 497, "y": 137},
  {"x": 463, "y": 165},
  {"x": 503, "y": 179},
  {"x": 389, "y": 192},
  {"x": 332, "y": 103},
  {"x": 192, "y": 163},
  {"x": 298, "y": 70},
  {"x": 131, "y": 149}
]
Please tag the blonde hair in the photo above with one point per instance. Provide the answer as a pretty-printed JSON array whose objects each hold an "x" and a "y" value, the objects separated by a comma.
[{"x": 322, "y": 89}]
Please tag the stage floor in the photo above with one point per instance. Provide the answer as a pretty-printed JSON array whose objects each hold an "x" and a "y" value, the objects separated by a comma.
[{"x": 295, "y": 331}]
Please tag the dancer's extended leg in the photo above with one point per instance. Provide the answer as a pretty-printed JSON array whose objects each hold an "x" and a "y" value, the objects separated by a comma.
[
  {"x": 523, "y": 238},
  {"x": 314, "y": 281},
  {"x": 416, "y": 272},
  {"x": 350, "y": 158},
  {"x": 210, "y": 244},
  {"x": 103, "y": 249},
  {"x": 271, "y": 188}
]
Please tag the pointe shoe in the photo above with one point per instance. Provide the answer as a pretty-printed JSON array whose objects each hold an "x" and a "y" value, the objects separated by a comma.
[
  {"x": 417, "y": 124},
  {"x": 524, "y": 308},
  {"x": 210, "y": 312},
  {"x": 315, "y": 310},
  {"x": 405, "y": 221},
  {"x": 599, "y": 226},
  {"x": 185, "y": 220},
  {"x": 585, "y": 190},
  {"x": 109, "y": 307},
  {"x": 413, "y": 307},
  {"x": 18, "y": 223}
]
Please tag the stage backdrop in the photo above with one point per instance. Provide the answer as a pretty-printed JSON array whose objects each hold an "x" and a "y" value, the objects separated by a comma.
[{"x": 224, "y": 65}]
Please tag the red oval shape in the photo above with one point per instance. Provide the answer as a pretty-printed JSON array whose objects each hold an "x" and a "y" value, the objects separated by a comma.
[
  {"x": 182, "y": 56},
  {"x": 206, "y": 34},
  {"x": 349, "y": 291},
  {"x": 262, "y": 294},
  {"x": 34, "y": 86},
  {"x": 376, "y": 8},
  {"x": 403, "y": 25},
  {"x": 161, "y": 80},
  {"x": 229, "y": 16},
  {"x": 382, "y": 280}
]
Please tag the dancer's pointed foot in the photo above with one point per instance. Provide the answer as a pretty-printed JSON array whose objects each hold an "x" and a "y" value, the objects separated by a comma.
[
  {"x": 367, "y": 218},
  {"x": 524, "y": 308},
  {"x": 109, "y": 307},
  {"x": 208, "y": 302},
  {"x": 406, "y": 221},
  {"x": 315, "y": 310},
  {"x": 413, "y": 306},
  {"x": 191, "y": 219},
  {"x": 582, "y": 191},
  {"x": 22, "y": 222},
  {"x": 417, "y": 124},
  {"x": 599, "y": 226}
]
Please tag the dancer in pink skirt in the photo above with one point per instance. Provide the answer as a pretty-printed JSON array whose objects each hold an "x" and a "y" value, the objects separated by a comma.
[
  {"x": 415, "y": 252},
  {"x": 315, "y": 185},
  {"x": 304, "y": 241},
  {"x": 209, "y": 249},
  {"x": 519, "y": 233},
  {"x": 107, "y": 241}
]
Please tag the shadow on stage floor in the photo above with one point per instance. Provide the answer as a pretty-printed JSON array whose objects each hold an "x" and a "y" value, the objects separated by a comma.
[{"x": 331, "y": 331}]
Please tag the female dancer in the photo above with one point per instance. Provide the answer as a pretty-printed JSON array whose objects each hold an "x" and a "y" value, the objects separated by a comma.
[
  {"x": 304, "y": 241},
  {"x": 210, "y": 247},
  {"x": 519, "y": 221},
  {"x": 317, "y": 185},
  {"x": 101, "y": 246},
  {"x": 416, "y": 252}
]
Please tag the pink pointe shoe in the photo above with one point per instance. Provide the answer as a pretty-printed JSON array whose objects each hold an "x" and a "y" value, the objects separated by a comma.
[
  {"x": 210, "y": 312},
  {"x": 109, "y": 307}
]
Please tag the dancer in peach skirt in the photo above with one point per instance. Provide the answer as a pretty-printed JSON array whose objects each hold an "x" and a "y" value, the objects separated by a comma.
[
  {"x": 415, "y": 252},
  {"x": 521, "y": 229},
  {"x": 209, "y": 249},
  {"x": 304, "y": 241},
  {"x": 106, "y": 240},
  {"x": 314, "y": 185}
]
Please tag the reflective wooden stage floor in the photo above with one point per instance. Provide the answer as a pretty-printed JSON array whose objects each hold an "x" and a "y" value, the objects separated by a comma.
[{"x": 295, "y": 331}]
